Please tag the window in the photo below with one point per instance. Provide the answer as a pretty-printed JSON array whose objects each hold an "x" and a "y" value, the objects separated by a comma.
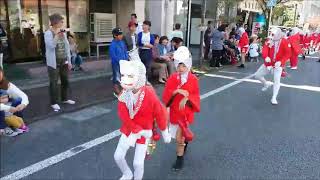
[
  {"x": 50, "y": 7},
  {"x": 78, "y": 15},
  {"x": 24, "y": 28}
]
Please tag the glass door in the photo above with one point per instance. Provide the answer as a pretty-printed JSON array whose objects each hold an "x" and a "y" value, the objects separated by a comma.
[{"x": 24, "y": 30}]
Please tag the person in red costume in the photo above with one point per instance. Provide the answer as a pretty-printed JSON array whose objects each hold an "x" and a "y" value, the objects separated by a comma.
[
  {"x": 307, "y": 42},
  {"x": 181, "y": 95},
  {"x": 294, "y": 40},
  {"x": 302, "y": 36},
  {"x": 243, "y": 45},
  {"x": 138, "y": 108},
  {"x": 275, "y": 54},
  {"x": 314, "y": 41}
]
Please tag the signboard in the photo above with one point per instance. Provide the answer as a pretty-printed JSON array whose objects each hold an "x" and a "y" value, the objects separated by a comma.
[{"x": 271, "y": 3}]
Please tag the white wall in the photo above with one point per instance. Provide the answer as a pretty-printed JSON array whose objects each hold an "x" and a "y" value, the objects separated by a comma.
[
  {"x": 161, "y": 16},
  {"x": 140, "y": 9}
]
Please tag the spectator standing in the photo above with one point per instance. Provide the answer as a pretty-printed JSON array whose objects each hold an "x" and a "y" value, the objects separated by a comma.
[
  {"x": 131, "y": 38},
  {"x": 254, "y": 49},
  {"x": 139, "y": 25},
  {"x": 243, "y": 46},
  {"x": 207, "y": 40},
  {"x": 176, "y": 32},
  {"x": 117, "y": 51},
  {"x": 16, "y": 107},
  {"x": 76, "y": 59},
  {"x": 159, "y": 61},
  {"x": 3, "y": 34},
  {"x": 218, "y": 37},
  {"x": 164, "y": 52},
  {"x": 248, "y": 30},
  {"x": 58, "y": 60},
  {"x": 146, "y": 42}
]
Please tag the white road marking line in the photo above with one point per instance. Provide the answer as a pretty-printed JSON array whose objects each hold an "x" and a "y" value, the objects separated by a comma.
[
  {"x": 225, "y": 87},
  {"x": 22, "y": 173},
  {"x": 302, "y": 87},
  {"x": 312, "y": 57},
  {"x": 231, "y": 72},
  {"x": 60, "y": 157}
]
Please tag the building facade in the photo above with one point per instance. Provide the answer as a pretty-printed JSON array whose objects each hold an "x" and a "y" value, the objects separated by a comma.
[{"x": 26, "y": 20}]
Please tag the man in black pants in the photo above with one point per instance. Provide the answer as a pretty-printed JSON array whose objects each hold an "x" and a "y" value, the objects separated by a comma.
[{"x": 218, "y": 37}]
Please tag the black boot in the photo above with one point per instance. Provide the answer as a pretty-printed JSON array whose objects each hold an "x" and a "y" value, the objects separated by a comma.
[
  {"x": 185, "y": 146},
  {"x": 178, "y": 165},
  {"x": 303, "y": 57},
  {"x": 318, "y": 60},
  {"x": 241, "y": 66}
]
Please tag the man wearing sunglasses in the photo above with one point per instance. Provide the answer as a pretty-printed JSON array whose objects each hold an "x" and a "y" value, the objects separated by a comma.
[{"x": 275, "y": 52}]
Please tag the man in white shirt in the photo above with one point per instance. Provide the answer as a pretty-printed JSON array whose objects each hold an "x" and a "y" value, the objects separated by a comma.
[
  {"x": 131, "y": 38},
  {"x": 138, "y": 24},
  {"x": 177, "y": 32}
]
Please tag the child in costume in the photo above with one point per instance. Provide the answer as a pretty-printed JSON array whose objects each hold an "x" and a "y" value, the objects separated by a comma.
[
  {"x": 181, "y": 95},
  {"x": 139, "y": 108},
  {"x": 275, "y": 53},
  {"x": 294, "y": 40}
]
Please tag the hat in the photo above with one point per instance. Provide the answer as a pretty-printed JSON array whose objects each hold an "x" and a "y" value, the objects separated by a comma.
[
  {"x": 182, "y": 55},
  {"x": 132, "y": 23},
  {"x": 117, "y": 31}
]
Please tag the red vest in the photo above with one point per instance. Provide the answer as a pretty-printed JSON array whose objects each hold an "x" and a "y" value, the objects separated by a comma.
[
  {"x": 244, "y": 41},
  {"x": 173, "y": 83},
  {"x": 295, "y": 44},
  {"x": 283, "y": 54},
  {"x": 151, "y": 110}
]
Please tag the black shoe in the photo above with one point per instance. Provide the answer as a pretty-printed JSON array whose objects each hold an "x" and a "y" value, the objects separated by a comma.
[
  {"x": 304, "y": 57},
  {"x": 241, "y": 66},
  {"x": 318, "y": 60},
  {"x": 178, "y": 164}
]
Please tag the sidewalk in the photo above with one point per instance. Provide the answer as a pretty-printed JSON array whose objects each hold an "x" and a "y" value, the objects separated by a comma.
[
  {"x": 93, "y": 86},
  {"x": 87, "y": 87}
]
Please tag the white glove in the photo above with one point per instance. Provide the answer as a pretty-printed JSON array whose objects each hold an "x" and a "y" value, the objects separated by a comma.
[
  {"x": 146, "y": 133},
  {"x": 166, "y": 136},
  {"x": 269, "y": 68},
  {"x": 132, "y": 139},
  {"x": 277, "y": 64},
  {"x": 267, "y": 60}
]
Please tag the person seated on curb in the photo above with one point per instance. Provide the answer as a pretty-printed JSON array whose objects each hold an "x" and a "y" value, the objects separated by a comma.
[
  {"x": 164, "y": 52},
  {"x": 76, "y": 59},
  {"x": 159, "y": 61},
  {"x": 13, "y": 120},
  {"x": 16, "y": 107}
]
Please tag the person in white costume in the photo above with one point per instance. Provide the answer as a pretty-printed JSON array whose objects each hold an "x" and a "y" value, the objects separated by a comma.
[
  {"x": 275, "y": 52},
  {"x": 139, "y": 110}
]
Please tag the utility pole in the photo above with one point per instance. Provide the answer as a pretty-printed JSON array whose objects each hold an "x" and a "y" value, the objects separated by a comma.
[
  {"x": 270, "y": 17},
  {"x": 204, "y": 9},
  {"x": 295, "y": 15}
]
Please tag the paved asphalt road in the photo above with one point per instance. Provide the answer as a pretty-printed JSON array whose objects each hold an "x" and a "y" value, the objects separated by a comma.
[{"x": 239, "y": 135}]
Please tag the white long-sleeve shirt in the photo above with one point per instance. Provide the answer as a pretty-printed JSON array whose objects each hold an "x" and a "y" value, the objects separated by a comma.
[{"x": 14, "y": 92}]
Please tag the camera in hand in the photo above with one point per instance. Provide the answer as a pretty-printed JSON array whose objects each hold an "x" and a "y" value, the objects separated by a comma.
[{"x": 62, "y": 30}]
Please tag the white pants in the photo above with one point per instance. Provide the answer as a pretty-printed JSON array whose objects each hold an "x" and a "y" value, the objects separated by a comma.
[
  {"x": 1, "y": 60},
  {"x": 277, "y": 71},
  {"x": 138, "y": 162}
]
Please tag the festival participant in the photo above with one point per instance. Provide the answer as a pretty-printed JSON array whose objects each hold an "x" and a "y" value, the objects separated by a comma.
[
  {"x": 275, "y": 54},
  {"x": 314, "y": 41},
  {"x": 181, "y": 96},
  {"x": 307, "y": 42},
  {"x": 139, "y": 110},
  {"x": 294, "y": 40},
  {"x": 243, "y": 45},
  {"x": 302, "y": 35}
]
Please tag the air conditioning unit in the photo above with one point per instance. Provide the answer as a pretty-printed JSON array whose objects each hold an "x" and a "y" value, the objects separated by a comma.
[{"x": 101, "y": 25}]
